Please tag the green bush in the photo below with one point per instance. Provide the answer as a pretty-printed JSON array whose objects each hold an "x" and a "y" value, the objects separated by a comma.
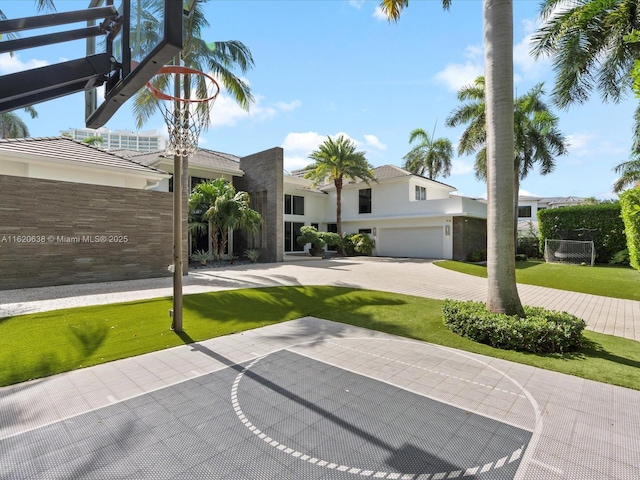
[
  {"x": 630, "y": 205},
  {"x": 529, "y": 246},
  {"x": 521, "y": 257},
  {"x": 541, "y": 331},
  {"x": 574, "y": 223},
  {"x": 476, "y": 256},
  {"x": 354, "y": 244}
]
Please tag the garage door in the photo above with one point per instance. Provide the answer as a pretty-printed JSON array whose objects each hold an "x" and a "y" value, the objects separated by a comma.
[{"x": 417, "y": 242}]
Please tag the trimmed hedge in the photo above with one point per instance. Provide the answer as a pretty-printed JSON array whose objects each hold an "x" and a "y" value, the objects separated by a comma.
[
  {"x": 541, "y": 331},
  {"x": 630, "y": 204},
  {"x": 565, "y": 223}
]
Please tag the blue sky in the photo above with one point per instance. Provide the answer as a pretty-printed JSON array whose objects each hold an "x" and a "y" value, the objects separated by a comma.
[{"x": 324, "y": 67}]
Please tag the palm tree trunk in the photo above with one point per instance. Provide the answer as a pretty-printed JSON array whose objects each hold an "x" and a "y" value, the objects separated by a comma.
[
  {"x": 338, "y": 183},
  {"x": 516, "y": 190},
  {"x": 498, "y": 40}
]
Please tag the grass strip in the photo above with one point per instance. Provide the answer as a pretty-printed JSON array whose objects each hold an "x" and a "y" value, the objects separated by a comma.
[
  {"x": 37, "y": 345},
  {"x": 605, "y": 280}
]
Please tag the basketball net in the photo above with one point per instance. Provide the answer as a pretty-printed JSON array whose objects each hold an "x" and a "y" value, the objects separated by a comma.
[{"x": 185, "y": 117}]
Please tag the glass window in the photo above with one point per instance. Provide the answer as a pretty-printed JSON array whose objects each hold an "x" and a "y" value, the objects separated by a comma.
[
  {"x": 298, "y": 205},
  {"x": 524, "y": 212},
  {"x": 365, "y": 230},
  {"x": 364, "y": 201},
  {"x": 421, "y": 193},
  {"x": 293, "y": 204},
  {"x": 287, "y": 204}
]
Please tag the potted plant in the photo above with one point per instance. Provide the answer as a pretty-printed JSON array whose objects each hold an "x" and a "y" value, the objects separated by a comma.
[
  {"x": 318, "y": 240},
  {"x": 309, "y": 234}
]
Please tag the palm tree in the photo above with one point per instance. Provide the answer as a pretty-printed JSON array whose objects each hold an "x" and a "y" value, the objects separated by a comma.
[
  {"x": 217, "y": 203},
  {"x": 537, "y": 139},
  {"x": 430, "y": 156},
  {"x": 629, "y": 172},
  {"x": 12, "y": 126},
  {"x": 498, "y": 50},
  {"x": 588, "y": 43},
  {"x": 336, "y": 161}
]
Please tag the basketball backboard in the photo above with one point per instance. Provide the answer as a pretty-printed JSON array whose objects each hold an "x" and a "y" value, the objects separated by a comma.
[
  {"x": 150, "y": 36},
  {"x": 126, "y": 44}
]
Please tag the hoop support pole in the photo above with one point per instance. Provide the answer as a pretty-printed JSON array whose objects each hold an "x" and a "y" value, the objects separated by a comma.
[{"x": 176, "y": 324}]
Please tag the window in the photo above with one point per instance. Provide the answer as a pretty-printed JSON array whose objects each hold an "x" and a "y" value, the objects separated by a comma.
[
  {"x": 364, "y": 200},
  {"x": 291, "y": 233},
  {"x": 293, "y": 204},
  {"x": 196, "y": 181},
  {"x": 524, "y": 212},
  {"x": 365, "y": 230},
  {"x": 421, "y": 193}
]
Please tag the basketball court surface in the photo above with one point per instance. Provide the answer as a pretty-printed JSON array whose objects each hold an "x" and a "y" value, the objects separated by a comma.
[{"x": 312, "y": 399}]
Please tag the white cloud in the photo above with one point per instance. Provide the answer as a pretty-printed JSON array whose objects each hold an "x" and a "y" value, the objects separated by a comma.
[
  {"x": 580, "y": 144},
  {"x": 461, "y": 167},
  {"x": 379, "y": 14},
  {"x": 455, "y": 75},
  {"x": 356, "y": 3},
  {"x": 522, "y": 57},
  {"x": 226, "y": 111},
  {"x": 298, "y": 145},
  {"x": 295, "y": 162},
  {"x": 374, "y": 142},
  {"x": 9, "y": 64},
  {"x": 303, "y": 142}
]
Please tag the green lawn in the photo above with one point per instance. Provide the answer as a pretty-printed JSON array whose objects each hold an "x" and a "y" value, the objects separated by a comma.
[
  {"x": 37, "y": 345},
  {"x": 605, "y": 280}
]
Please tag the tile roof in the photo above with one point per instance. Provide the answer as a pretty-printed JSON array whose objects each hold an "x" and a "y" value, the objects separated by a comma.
[
  {"x": 63, "y": 148},
  {"x": 203, "y": 157}
]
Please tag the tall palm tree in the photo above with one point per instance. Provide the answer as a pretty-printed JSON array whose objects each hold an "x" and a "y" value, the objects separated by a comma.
[
  {"x": 498, "y": 58},
  {"x": 430, "y": 156},
  {"x": 537, "y": 139},
  {"x": 629, "y": 172},
  {"x": 336, "y": 161},
  {"x": 587, "y": 42}
]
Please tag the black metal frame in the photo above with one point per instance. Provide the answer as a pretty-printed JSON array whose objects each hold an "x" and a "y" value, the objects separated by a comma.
[{"x": 26, "y": 88}]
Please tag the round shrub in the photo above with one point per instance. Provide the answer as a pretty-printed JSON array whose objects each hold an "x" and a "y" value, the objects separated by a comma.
[{"x": 541, "y": 331}]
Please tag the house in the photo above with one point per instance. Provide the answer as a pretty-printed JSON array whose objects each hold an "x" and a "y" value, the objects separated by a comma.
[
  {"x": 75, "y": 193},
  {"x": 529, "y": 206},
  {"x": 407, "y": 215},
  {"x": 71, "y": 213}
]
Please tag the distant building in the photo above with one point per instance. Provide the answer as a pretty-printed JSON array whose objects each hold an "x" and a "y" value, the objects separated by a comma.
[{"x": 149, "y": 141}]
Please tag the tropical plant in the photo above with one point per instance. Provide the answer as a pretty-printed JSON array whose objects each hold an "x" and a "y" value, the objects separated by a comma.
[
  {"x": 360, "y": 243},
  {"x": 252, "y": 254},
  {"x": 201, "y": 256},
  {"x": 431, "y": 156},
  {"x": 318, "y": 240},
  {"x": 95, "y": 140},
  {"x": 218, "y": 203},
  {"x": 588, "y": 42},
  {"x": 337, "y": 160},
  {"x": 498, "y": 54},
  {"x": 537, "y": 139},
  {"x": 629, "y": 172}
]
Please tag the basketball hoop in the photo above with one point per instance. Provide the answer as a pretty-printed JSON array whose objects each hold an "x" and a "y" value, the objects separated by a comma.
[{"x": 185, "y": 117}]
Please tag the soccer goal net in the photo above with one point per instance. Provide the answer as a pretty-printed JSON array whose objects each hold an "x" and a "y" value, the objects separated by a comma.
[{"x": 569, "y": 251}]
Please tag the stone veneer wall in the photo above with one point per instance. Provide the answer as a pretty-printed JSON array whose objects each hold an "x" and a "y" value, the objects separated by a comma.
[
  {"x": 264, "y": 173},
  {"x": 468, "y": 234},
  {"x": 56, "y": 233}
]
